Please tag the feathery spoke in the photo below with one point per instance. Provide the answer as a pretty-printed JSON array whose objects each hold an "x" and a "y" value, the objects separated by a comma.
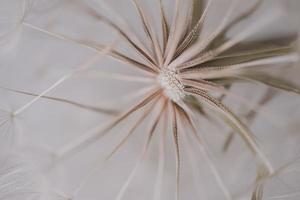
[
  {"x": 257, "y": 194},
  {"x": 139, "y": 50},
  {"x": 100, "y": 131},
  {"x": 232, "y": 120},
  {"x": 218, "y": 71},
  {"x": 131, "y": 131},
  {"x": 194, "y": 33},
  {"x": 161, "y": 159},
  {"x": 283, "y": 169},
  {"x": 176, "y": 33},
  {"x": 203, "y": 44},
  {"x": 250, "y": 30},
  {"x": 177, "y": 148},
  {"x": 65, "y": 77},
  {"x": 271, "y": 81},
  {"x": 209, "y": 86},
  {"x": 128, "y": 36},
  {"x": 133, "y": 95},
  {"x": 120, "y": 77},
  {"x": 144, "y": 152},
  {"x": 251, "y": 115},
  {"x": 149, "y": 32},
  {"x": 242, "y": 60},
  {"x": 97, "y": 48},
  {"x": 165, "y": 26},
  {"x": 66, "y": 101},
  {"x": 219, "y": 29},
  {"x": 242, "y": 17},
  {"x": 204, "y": 85},
  {"x": 192, "y": 162},
  {"x": 252, "y": 54},
  {"x": 202, "y": 146}
]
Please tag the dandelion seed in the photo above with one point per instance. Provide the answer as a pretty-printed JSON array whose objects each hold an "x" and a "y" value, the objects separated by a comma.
[
  {"x": 184, "y": 72},
  {"x": 182, "y": 65}
]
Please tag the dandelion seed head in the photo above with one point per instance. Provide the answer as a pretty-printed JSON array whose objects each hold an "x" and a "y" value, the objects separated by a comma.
[
  {"x": 171, "y": 84},
  {"x": 180, "y": 62}
]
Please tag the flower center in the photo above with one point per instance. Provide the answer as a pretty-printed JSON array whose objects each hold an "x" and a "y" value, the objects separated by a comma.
[{"x": 170, "y": 82}]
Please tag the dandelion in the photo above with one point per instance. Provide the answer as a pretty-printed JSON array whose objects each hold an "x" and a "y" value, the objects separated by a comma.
[{"x": 187, "y": 74}]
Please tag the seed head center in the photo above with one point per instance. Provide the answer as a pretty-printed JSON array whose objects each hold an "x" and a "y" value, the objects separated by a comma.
[{"x": 170, "y": 82}]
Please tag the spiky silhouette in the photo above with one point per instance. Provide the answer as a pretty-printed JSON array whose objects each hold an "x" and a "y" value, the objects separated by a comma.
[{"x": 185, "y": 71}]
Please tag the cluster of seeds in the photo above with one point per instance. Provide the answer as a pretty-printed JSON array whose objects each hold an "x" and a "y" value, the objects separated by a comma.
[{"x": 170, "y": 82}]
